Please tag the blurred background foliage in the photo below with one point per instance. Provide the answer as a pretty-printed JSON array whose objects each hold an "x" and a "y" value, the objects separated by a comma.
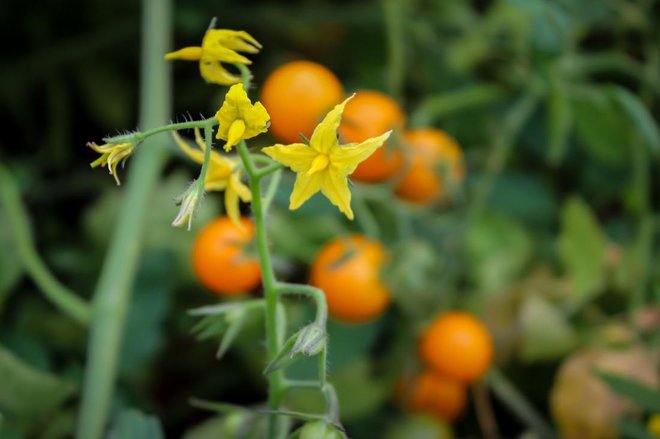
[{"x": 552, "y": 240}]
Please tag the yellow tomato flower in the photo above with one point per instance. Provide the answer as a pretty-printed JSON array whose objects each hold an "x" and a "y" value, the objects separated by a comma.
[
  {"x": 220, "y": 175},
  {"x": 324, "y": 165},
  {"x": 218, "y": 46},
  {"x": 239, "y": 119},
  {"x": 111, "y": 155}
]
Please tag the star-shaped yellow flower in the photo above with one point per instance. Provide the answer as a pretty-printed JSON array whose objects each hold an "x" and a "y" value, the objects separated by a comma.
[
  {"x": 218, "y": 46},
  {"x": 324, "y": 165},
  {"x": 220, "y": 175},
  {"x": 111, "y": 155},
  {"x": 239, "y": 119}
]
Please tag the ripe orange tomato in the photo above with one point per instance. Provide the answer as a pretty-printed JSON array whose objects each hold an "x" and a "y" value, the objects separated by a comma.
[
  {"x": 218, "y": 257},
  {"x": 370, "y": 114},
  {"x": 428, "y": 148},
  {"x": 458, "y": 346},
  {"x": 436, "y": 394},
  {"x": 297, "y": 95},
  {"x": 347, "y": 270}
]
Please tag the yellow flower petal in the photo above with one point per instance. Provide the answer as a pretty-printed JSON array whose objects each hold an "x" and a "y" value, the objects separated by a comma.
[
  {"x": 335, "y": 188},
  {"x": 187, "y": 54},
  {"x": 240, "y": 41},
  {"x": 213, "y": 72},
  {"x": 296, "y": 156},
  {"x": 325, "y": 134},
  {"x": 237, "y": 106},
  {"x": 304, "y": 187},
  {"x": 194, "y": 154},
  {"x": 346, "y": 158},
  {"x": 235, "y": 134},
  {"x": 231, "y": 206}
]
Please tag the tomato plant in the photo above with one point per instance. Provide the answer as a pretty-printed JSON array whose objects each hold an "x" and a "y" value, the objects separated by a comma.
[
  {"x": 219, "y": 258},
  {"x": 368, "y": 114},
  {"x": 348, "y": 271},
  {"x": 296, "y": 95},
  {"x": 457, "y": 345}
]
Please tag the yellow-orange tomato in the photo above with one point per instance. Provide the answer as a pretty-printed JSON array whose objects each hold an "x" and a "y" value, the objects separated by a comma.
[
  {"x": 457, "y": 345},
  {"x": 219, "y": 260},
  {"x": 370, "y": 114},
  {"x": 428, "y": 149},
  {"x": 297, "y": 95},
  {"x": 347, "y": 270},
  {"x": 436, "y": 394}
]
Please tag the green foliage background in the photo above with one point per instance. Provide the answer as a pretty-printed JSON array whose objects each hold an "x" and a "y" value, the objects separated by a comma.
[{"x": 552, "y": 239}]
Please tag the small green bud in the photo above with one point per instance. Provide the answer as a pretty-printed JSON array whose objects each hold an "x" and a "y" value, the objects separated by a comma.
[
  {"x": 319, "y": 430},
  {"x": 311, "y": 340}
]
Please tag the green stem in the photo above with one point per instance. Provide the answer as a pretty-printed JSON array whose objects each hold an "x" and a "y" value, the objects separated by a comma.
[
  {"x": 66, "y": 300},
  {"x": 141, "y": 136},
  {"x": 394, "y": 15},
  {"x": 272, "y": 189},
  {"x": 113, "y": 292},
  {"x": 310, "y": 291},
  {"x": 510, "y": 396},
  {"x": 273, "y": 336}
]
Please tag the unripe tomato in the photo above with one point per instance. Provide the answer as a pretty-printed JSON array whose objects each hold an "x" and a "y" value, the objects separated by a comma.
[
  {"x": 318, "y": 430},
  {"x": 430, "y": 392},
  {"x": 348, "y": 272},
  {"x": 420, "y": 427},
  {"x": 219, "y": 260},
  {"x": 457, "y": 345},
  {"x": 297, "y": 95},
  {"x": 370, "y": 114},
  {"x": 428, "y": 150}
]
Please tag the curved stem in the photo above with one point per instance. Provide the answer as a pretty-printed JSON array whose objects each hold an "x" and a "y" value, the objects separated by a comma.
[
  {"x": 113, "y": 293},
  {"x": 66, "y": 300},
  {"x": 272, "y": 189},
  {"x": 307, "y": 290}
]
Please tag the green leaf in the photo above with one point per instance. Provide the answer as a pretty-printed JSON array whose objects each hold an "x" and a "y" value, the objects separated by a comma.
[
  {"x": 357, "y": 389},
  {"x": 546, "y": 335},
  {"x": 133, "y": 424},
  {"x": 600, "y": 127},
  {"x": 640, "y": 394},
  {"x": 26, "y": 391},
  {"x": 498, "y": 247},
  {"x": 634, "y": 430},
  {"x": 638, "y": 115},
  {"x": 582, "y": 246}
]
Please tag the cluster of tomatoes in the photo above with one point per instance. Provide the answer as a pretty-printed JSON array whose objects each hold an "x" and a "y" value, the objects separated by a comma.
[
  {"x": 456, "y": 348},
  {"x": 419, "y": 161}
]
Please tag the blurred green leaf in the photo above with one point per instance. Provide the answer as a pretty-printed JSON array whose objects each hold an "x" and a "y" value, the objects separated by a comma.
[
  {"x": 600, "y": 127},
  {"x": 26, "y": 391},
  {"x": 546, "y": 335},
  {"x": 133, "y": 424},
  {"x": 358, "y": 391},
  {"x": 582, "y": 246},
  {"x": 498, "y": 248},
  {"x": 106, "y": 94},
  {"x": 634, "y": 430},
  {"x": 638, "y": 115},
  {"x": 640, "y": 394}
]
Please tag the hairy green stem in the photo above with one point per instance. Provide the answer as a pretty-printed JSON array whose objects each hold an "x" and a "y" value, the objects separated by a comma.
[
  {"x": 394, "y": 16},
  {"x": 63, "y": 298},
  {"x": 113, "y": 292},
  {"x": 273, "y": 336},
  {"x": 308, "y": 290}
]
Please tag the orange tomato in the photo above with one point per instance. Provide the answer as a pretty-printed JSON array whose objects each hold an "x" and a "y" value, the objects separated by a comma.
[
  {"x": 219, "y": 260},
  {"x": 458, "y": 346},
  {"x": 347, "y": 270},
  {"x": 436, "y": 394},
  {"x": 297, "y": 95},
  {"x": 370, "y": 114},
  {"x": 428, "y": 148}
]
